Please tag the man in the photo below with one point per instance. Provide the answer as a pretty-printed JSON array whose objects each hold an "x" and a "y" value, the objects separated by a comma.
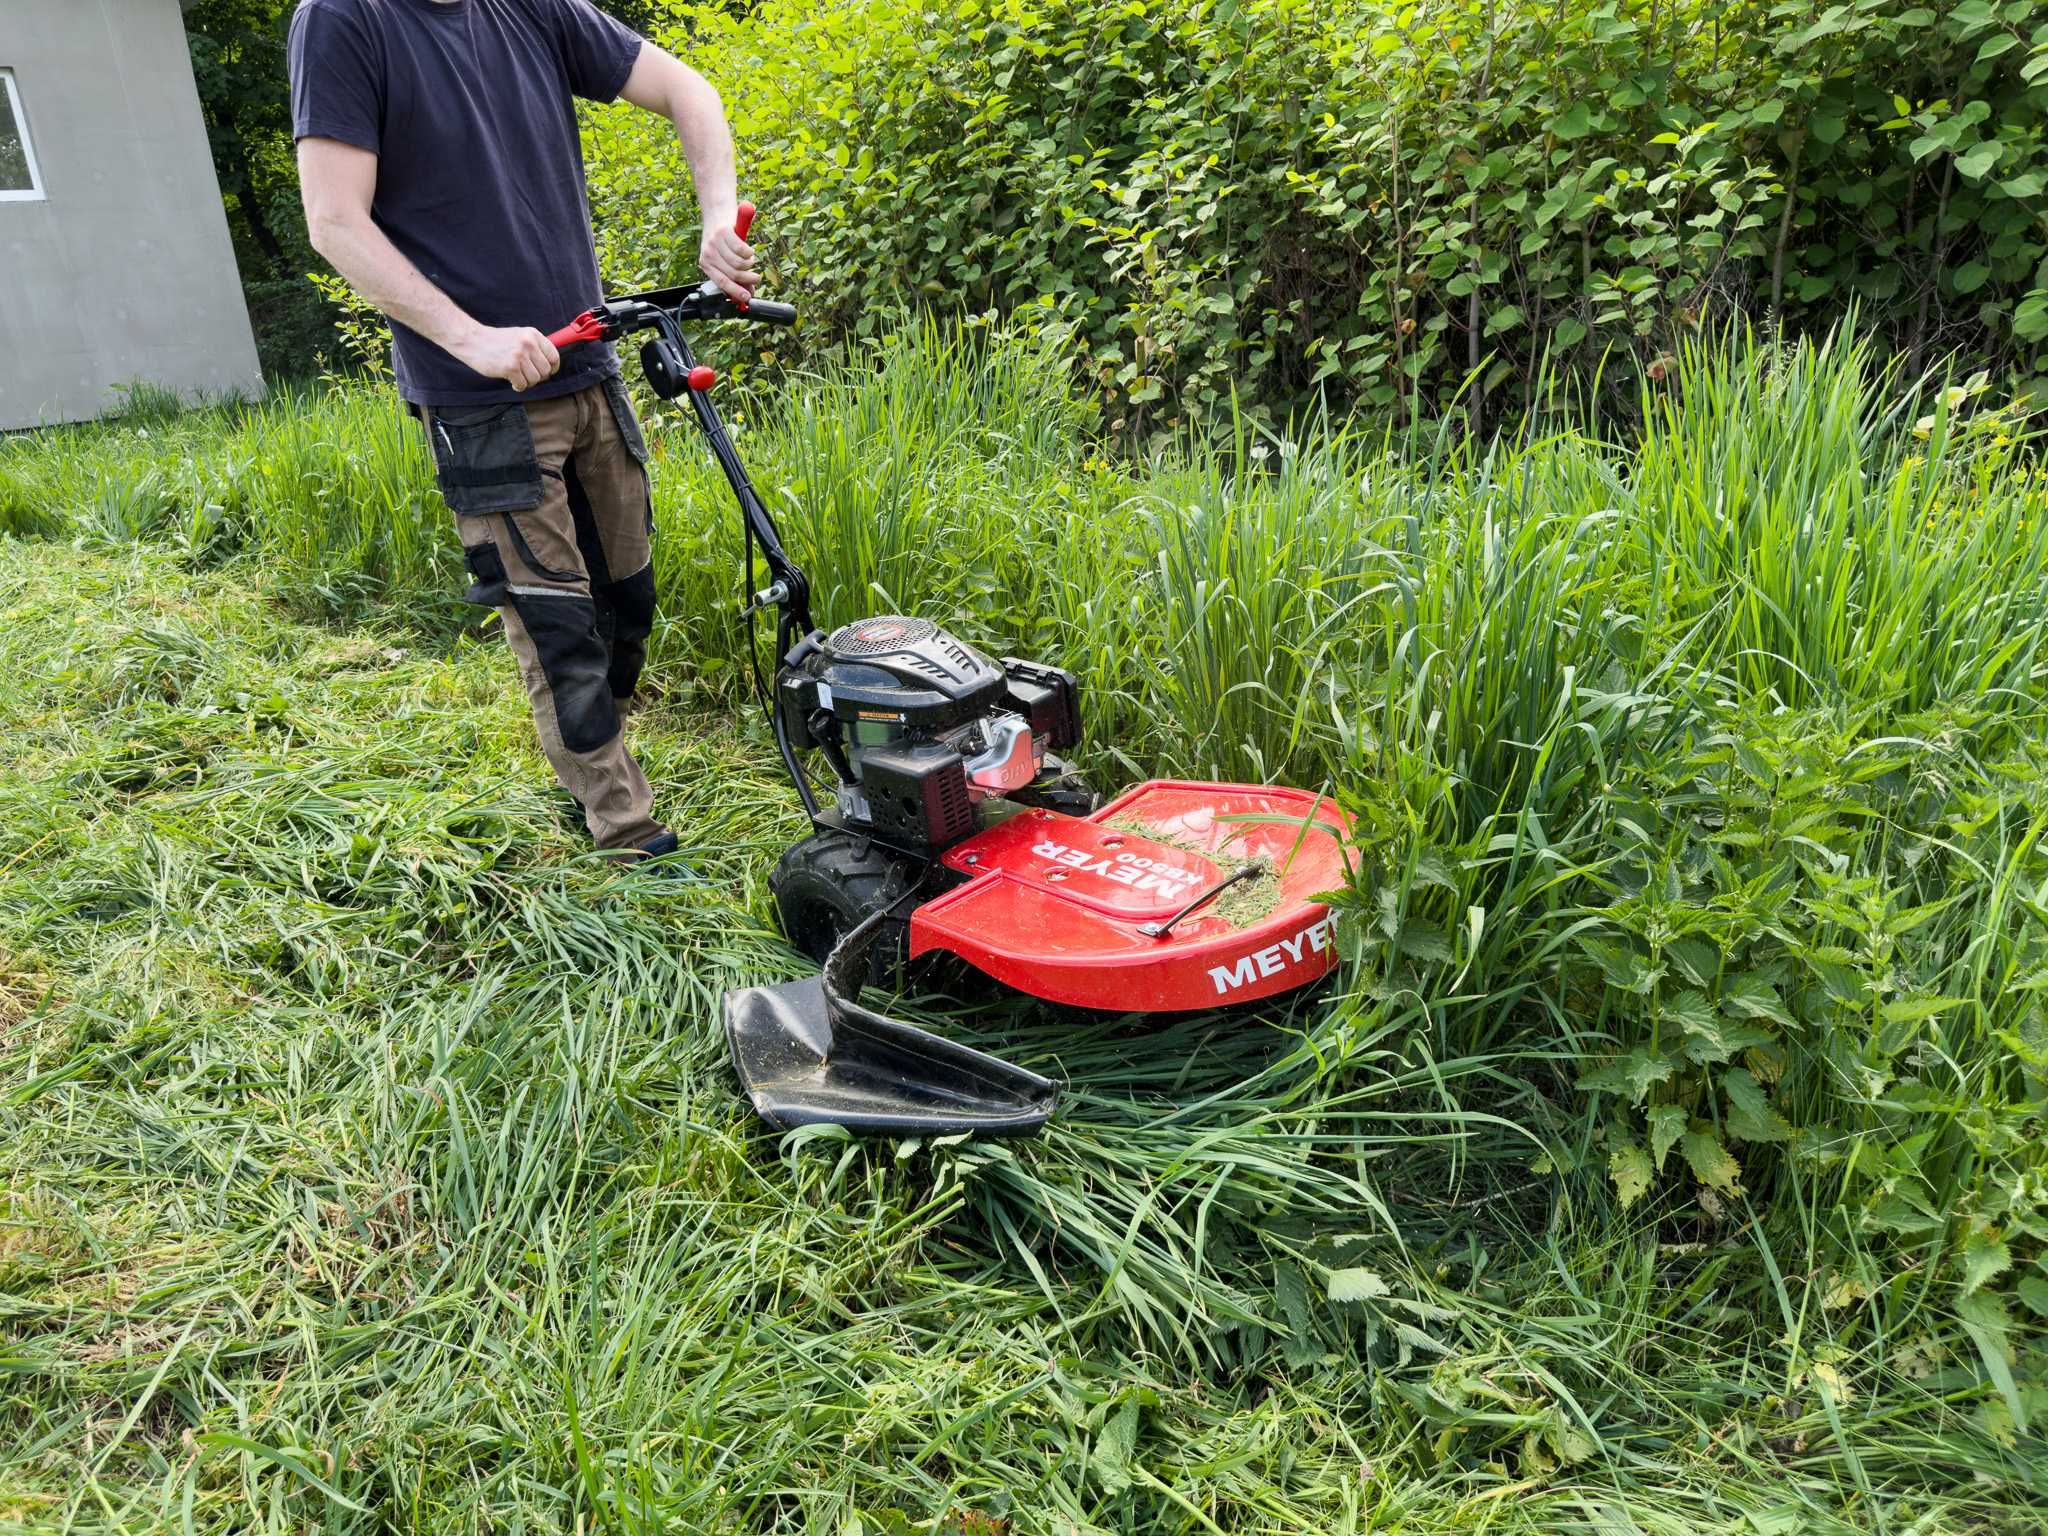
[{"x": 442, "y": 172}]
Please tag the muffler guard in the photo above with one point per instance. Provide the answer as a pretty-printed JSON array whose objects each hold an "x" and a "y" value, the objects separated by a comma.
[{"x": 807, "y": 1053}]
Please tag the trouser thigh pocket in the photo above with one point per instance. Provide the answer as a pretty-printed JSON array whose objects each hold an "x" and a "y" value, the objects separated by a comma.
[
  {"x": 641, "y": 493},
  {"x": 485, "y": 459},
  {"x": 629, "y": 424},
  {"x": 523, "y": 547}
]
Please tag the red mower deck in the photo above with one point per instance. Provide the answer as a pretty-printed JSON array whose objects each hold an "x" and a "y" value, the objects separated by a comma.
[{"x": 1057, "y": 906}]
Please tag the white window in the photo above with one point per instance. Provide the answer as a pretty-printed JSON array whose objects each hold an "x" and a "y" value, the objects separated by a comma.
[{"x": 20, "y": 181}]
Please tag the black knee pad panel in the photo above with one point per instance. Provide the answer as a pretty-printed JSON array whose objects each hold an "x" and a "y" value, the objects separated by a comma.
[
  {"x": 572, "y": 658},
  {"x": 631, "y": 603}
]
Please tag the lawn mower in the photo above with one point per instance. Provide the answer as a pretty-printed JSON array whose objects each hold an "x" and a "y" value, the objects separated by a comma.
[{"x": 955, "y": 825}]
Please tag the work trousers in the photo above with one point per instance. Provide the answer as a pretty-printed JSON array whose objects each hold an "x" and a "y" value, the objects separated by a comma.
[{"x": 551, "y": 500}]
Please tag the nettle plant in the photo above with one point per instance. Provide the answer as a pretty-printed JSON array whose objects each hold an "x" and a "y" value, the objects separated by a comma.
[{"x": 1812, "y": 960}]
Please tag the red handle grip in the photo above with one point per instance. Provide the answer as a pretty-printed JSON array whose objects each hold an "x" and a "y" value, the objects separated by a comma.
[
  {"x": 745, "y": 221},
  {"x": 585, "y": 327}
]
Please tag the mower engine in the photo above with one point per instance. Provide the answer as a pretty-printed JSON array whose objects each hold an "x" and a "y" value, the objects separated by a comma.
[{"x": 922, "y": 729}]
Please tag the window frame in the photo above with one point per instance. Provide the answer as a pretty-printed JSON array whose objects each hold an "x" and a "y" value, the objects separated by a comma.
[{"x": 10, "y": 96}]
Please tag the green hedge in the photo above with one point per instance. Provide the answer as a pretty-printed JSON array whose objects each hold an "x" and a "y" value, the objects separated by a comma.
[{"x": 1277, "y": 197}]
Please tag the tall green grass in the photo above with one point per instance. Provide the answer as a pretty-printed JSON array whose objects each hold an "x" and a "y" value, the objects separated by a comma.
[{"x": 1671, "y": 1154}]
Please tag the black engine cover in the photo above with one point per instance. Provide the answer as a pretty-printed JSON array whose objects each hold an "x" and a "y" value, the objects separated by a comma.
[
  {"x": 906, "y": 672},
  {"x": 1048, "y": 699}
]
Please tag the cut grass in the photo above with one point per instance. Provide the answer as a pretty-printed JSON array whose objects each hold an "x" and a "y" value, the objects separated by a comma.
[
  {"x": 373, "y": 1165},
  {"x": 1670, "y": 1160}
]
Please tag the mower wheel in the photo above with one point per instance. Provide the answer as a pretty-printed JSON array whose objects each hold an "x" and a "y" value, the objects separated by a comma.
[
  {"x": 1060, "y": 788},
  {"x": 830, "y": 883}
]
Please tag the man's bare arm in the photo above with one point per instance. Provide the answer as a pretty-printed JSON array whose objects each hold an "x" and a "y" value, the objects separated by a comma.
[
  {"x": 338, "y": 182},
  {"x": 662, "y": 83}
]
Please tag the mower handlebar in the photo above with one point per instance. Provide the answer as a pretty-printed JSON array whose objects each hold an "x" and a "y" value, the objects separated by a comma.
[{"x": 637, "y": 312}]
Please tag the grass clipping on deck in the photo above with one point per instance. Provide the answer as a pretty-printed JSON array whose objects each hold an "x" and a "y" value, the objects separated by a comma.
[{"x": 1243, "y": 903}]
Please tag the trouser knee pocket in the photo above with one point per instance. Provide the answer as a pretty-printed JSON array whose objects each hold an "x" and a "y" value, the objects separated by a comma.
[
  {"x": 572, "y": 657},
  {"x": 631, "y": 605},
  {"x": 487, "y": 584}
]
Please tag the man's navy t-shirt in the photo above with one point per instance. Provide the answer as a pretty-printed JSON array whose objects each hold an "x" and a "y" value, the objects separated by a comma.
[{"x": 467, "y": 105}]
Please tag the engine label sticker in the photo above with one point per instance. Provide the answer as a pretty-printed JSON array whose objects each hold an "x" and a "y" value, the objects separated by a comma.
[{"x": 1260, "y": 964}]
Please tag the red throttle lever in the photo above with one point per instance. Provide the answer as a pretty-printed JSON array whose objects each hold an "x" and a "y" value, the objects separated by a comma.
[
  {"x": 588, "y": 326},
  {"x": 743, "y": 221}
]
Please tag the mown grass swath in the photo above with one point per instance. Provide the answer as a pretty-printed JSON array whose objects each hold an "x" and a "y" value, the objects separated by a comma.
[{"x": 1669, "y": 1160}]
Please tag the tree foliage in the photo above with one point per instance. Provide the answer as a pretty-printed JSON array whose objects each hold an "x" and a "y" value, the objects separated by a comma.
[
  {"x": 1272, "y": 199},
  {"x": 1277, "y": 197}
]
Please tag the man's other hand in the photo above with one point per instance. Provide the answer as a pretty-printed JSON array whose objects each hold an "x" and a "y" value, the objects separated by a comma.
[
  {"x": 728, "y": 261},
  {"x": 518, "y": 354}
]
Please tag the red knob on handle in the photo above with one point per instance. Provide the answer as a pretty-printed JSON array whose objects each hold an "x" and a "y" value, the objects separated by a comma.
[
  {"x": 585, "y": 327},
  {"x": 702, "y": 377},
  {"x": 745, "y": 221}
]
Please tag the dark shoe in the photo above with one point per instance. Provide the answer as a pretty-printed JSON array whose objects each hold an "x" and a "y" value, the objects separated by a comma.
[{"x": 660, "y": 856}]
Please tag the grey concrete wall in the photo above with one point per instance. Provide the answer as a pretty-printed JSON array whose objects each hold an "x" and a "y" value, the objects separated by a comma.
[{"x": 125, "y": 272}]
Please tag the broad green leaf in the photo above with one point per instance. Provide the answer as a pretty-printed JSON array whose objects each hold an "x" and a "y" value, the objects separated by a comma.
[
  {"x": 1631, "y": 1075},
  {"x": 2033, "y": 1291},
  {"x": 1629, "y": 1166},
  {"x": 1695, "y": 959},
  {"x": 1301, "y": 1347},
  {"x": 1356, "y": 1285},
  {"x": 1970, "y": 276},
  {"x": 1111, "y": 1457},
  {"x": 1709, "y": 1158},
  {"x": 1976, "y": 162},
  {"x": 1709, "y": 1038},
  {"x": 1623, "y": 964},
  {"x": 1692, "y": 1011},
  {"x": 1750, "y": 1115},
  {"x": 1575, "y": 122},
  {"x": 1667, "y": 1124},
  {"x": 1909, "y": 1010},
  {"x": 1749, "y": 996},
  {"x": 1841, "y": 982},
  {"x": 1983, "y": 1255}
]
